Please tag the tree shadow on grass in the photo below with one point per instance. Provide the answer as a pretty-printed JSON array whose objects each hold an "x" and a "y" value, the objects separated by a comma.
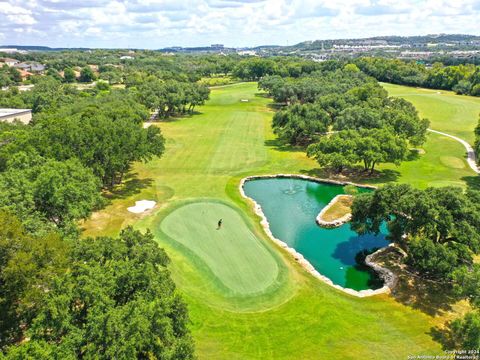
[
  {"x": 413, "y": 154},
  {"x": 355, "y": 174},
  {"x": 431, "y": 297},
  {"x": 131, "y": 185},
  {"x": 443, "y": 335},
  {"x": 426, "y": 296},
  {"x": 177, "y": 117},
  {"x": 281, "y": 146},
  {"x": 275, "y": 106},
  {"x": 473, "y": 182}
]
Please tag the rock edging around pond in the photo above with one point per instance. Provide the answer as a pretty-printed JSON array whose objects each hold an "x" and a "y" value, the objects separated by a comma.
[
  {"x": 387, "y": 276},
  {"x": 337, "y": 222}
]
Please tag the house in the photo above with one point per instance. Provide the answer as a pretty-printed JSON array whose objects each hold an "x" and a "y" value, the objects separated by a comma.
[
  {"x": 24, "y": 74},
  {"x": 126, "y": 57},
  {"x": 33, "y": 67},
  {"x": 9, "y": 61},
  {"x": 37, "y": 67},
  {"x": 10, "y": 115},
  {"x": 22, "y": 66}
]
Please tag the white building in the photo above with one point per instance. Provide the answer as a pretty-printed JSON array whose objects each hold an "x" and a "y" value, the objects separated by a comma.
[
  {"x": 10, "y": 115},
  {"x": 12, "y": 51},
  {"x": 247, "y": 52},
  {"x": 9, "y": 61}
]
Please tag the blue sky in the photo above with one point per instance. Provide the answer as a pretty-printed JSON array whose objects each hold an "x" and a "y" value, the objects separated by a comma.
[{"x": 159, "y": 23}]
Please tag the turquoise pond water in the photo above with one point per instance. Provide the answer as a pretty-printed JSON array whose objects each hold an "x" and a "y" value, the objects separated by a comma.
[{"x": 291, "y": 206}]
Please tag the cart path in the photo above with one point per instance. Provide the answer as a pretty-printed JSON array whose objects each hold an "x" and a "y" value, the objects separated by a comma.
[{"x": 471, "y": 157}]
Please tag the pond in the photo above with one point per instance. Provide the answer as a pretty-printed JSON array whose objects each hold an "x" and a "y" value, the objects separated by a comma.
[{"x": 291, "y": 206}]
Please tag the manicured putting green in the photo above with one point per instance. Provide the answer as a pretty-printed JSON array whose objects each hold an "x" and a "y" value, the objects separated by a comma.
[{"x": 233, "y": 253}]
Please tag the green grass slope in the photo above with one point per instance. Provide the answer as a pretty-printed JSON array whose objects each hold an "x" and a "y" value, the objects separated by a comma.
[{"x": 284, "y": 313}]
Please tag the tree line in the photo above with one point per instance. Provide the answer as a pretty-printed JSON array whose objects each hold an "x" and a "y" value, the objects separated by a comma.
[
  {"x": 344, "y": 117},
  {"x": 103, "y": 298},
  {"x": 464, "y": 79},
  {"x": 62, "y": 297}
]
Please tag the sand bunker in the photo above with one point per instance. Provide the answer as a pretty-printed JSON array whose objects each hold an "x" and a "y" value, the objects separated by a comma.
[{"x": 141, "y": 206}]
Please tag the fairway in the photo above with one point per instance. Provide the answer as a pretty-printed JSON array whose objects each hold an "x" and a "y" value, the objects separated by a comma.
[
  {"x": 248, "y": 298},
  {"x": 443, "y": 160},
  {"x": 232, "y": 252},
  {"x": 454, "y": 114}
]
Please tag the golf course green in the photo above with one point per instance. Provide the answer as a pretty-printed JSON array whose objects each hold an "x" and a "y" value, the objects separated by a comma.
[
  {"x": 247, "y": 297},
  {"x": 231, "y": 251}
]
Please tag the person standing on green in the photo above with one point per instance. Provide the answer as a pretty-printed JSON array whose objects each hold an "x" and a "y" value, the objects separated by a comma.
[{"x": 220, "y": 223}]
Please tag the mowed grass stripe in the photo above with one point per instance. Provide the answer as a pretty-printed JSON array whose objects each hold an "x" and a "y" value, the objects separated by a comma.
[
  {"x": 245, "y": 129},
  {"x": 233, "y": 253}
]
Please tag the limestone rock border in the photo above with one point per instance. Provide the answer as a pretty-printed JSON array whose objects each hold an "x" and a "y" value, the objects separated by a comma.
[
  {"x": 334, "y": 223},
  {"x": 387, "y": 276}
]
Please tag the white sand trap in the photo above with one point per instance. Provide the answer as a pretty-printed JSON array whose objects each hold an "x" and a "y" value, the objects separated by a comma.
[
  {"x": 141, "y": 206},
  {"x": 244, "y": 100}
]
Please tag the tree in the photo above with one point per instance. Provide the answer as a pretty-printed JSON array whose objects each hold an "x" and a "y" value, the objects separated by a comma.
[
  {"x": 65, "y": 191},
  {"x": 116, "y": 301},
  {"x": 47, "y": 95},
  {"x": 102, "y": 86},
  {"x": 41, "y": 191},
  {"x": 439, "y": 228},
  {"x": 359, "y": 117},
  {"x": 54, "y": 73},
  {"x": 172, "y": 97},
  {"x": 475, "y": 90},
  {"x": 347, "y": 147},
  {"x": 477, "y": 138},
  {"x": 106, "y": 146},
  {"x": 336, "y": 151},
  {"x": 28, "y": 265},
  {"x": 254, "y": 68},
  {"x": 15, "y": 75},
  {"x": 466, "y": 281},
  {"x": 463, "y": 87},
  {"x": 87, "y": 75},
  {"x": 300, "y": 124},
  {"x": 466, "y": 331},
  {"x": 351, "y": 68},
  {"x": 69, "y": 75}
]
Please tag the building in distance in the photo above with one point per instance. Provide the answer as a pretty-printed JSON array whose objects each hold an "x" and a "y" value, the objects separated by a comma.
[
  {"x": 10, "y": 115},
  {"x": 9, "y": 61}
]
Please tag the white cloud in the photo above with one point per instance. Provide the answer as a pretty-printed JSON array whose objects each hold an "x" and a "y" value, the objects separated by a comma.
[{"x": 159, "y": 23}]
